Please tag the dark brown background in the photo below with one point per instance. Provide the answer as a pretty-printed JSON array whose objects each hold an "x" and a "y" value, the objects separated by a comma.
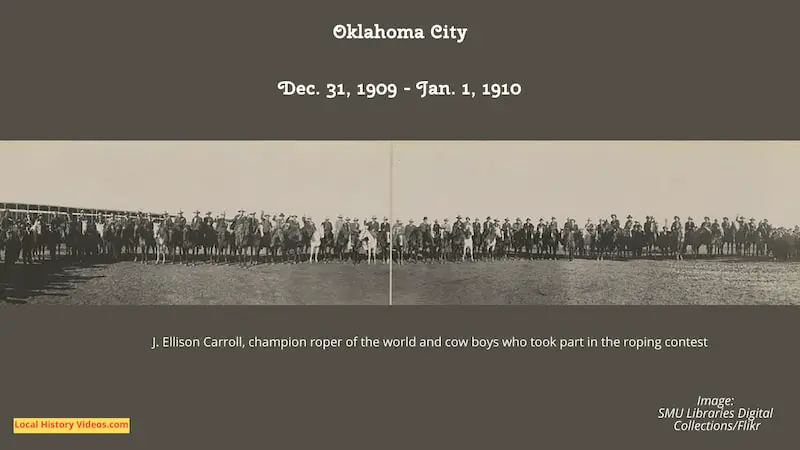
[
  {"x": 204, "y": 69},
  {"x": 96, "y": 362}
]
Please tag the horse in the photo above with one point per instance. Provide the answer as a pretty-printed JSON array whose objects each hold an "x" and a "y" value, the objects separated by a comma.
[
  {"x": 370, "y": 244},
  {"x": 398, "y": 244},
  {"x": 587, "y": 242},
  {"x": 263, "y": 239},
  {"x": 728, "y": 239},
  {"x": 678, "y": 242},
  {"x": 292, "y": 242},
  {"x": 342, "y": 243},
  {"x": 742, "y": 241},
  {"x": 490, "y": 237},
  {"x": 548, "y": 243},
  {"x": 568, "y": 238},
  {"x": 383, "y": 244},
  {"x": 175, "y": 240},
  {"x": 621, "y": 238},
  {"x": 459, "y": 240},
  {"x": 162, "y": 241},
  {"x": 605, "y": 240},
  {"x": 467, "y": 243},
  {"x": 477, "y": 240},
  {"x": 306, "y": 234},
  {"x": 12, "y": 243},
  {"x": 188, "y": 243},
  {"x": 426, "y": 243},
  {"x": 518, "y": 240},
  {"x": 314, "y": 245},
  {"x": 222, "y": 242},
  {"x": 37, "y": 232},
  {"x": 243, "y": 232},
  {"x": 650, "y": 236},
  {"x": 326, "y": 246},
  {"x": 144, "y": 237},
  {"x": 413, "y": 242},
  {"x": 355, "y": 246}
]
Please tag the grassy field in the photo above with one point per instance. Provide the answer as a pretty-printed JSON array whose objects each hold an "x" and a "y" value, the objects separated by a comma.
[{"x": 500, "y": 282}]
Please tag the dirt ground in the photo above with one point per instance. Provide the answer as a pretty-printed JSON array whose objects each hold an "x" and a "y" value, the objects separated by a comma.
[
  {"x": 705, "y": 282},
  {"x": 128, "y": 283},
  {"x": 589, "y": 282}
]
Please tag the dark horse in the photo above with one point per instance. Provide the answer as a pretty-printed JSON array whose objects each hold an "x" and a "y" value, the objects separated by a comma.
[
  {"x": 292, "y": 241},
  {"x": 244, "y": 238}
]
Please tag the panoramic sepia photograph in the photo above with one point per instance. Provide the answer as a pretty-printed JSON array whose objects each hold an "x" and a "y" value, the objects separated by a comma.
[
  {"x": 194, "y": 223},
  {"x": 630, "y": 223}
]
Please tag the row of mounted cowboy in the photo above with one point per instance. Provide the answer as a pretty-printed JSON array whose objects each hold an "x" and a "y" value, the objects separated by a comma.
[{"x": 282, "y": 234}]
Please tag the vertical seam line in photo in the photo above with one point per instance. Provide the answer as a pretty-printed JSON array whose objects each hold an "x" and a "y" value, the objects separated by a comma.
[{"x": 391, "y": 217}]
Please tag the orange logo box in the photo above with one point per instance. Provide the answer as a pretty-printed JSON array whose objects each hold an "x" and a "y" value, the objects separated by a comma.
[{"x": 72, "y": 426}]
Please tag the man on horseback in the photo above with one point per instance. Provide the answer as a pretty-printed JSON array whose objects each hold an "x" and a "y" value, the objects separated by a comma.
[
  {"x": 386, "y": 227},
  {"x": 629, "y": 223},
  {"x": 690, "y": 226},
  {"x": 398, "y": 228},
  {"x": 676, "y": 224},
  {"x": 166, "y": 220},
  {"x": 614, "y": 222},
  {"x": 197, "y": 221},
  {"x": 487, "y": 223},
  {"x": 447, "y": 227},
  {"x": 706, "y": 225},
  {"x": 180, "y": 222},
  {"x": 374, "y": 226},
  {"x": 338, "y": 225}
]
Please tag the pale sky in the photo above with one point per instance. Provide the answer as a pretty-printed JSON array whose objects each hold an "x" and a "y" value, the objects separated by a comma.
[
  {"x": 583, "y": 179},
  {"x": 580, "y": 179},
  {"x": 316, "y": 178}
]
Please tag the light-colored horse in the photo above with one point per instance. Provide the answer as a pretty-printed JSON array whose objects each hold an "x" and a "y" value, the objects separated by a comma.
[
  {"x": 399, "y": 245},
  {"x": 468, "y": 231},
  {"x": 490, "y": 241},
  {"x": 314, "y": 244},
  {"x": 679, "y": 245},
  {"x": 162, "y": 240},
  {"x": 588, "y": 239},
  {"x": 371, "y": 244}
]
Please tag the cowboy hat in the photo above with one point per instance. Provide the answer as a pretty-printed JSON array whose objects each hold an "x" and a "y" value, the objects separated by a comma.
[
  {"x": 385, "y": 218},
  {"x": 690, "y": 218},
  {"x": 629, "y": 217},
  {"x": 180, "y": 212},
  {"x": 425, "y": 218},
  {"x": 458, "y": 217},
  {"x": 552, "y": 218},
  {"x": 209, "y": 213},
  {"x": 488, "y": 218},
  {"x": 197, "y": 212}
]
